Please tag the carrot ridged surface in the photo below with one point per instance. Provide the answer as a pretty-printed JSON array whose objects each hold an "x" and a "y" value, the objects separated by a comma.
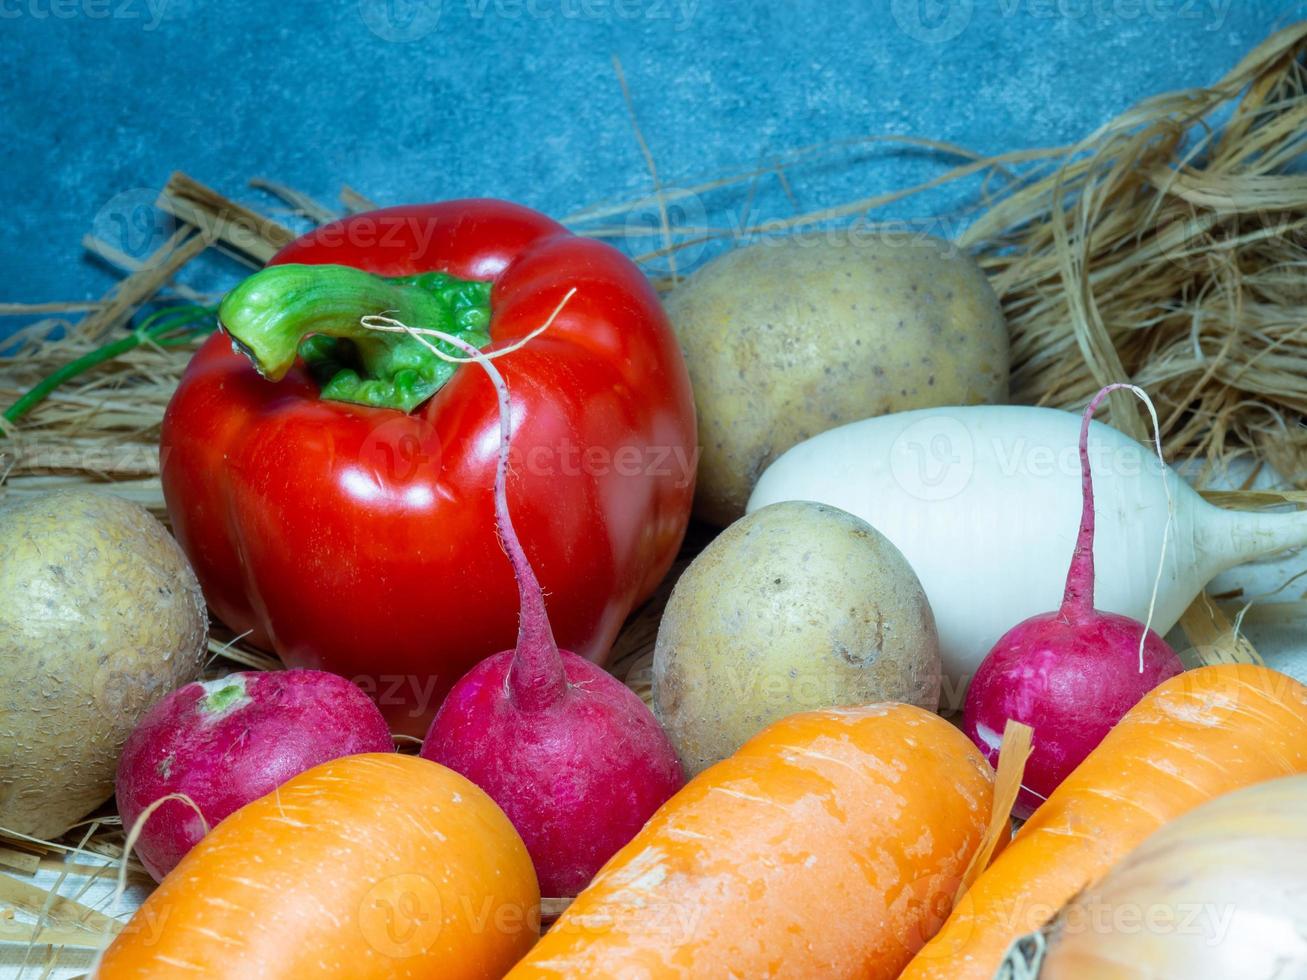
[
  {"x": 1198, "y": 735},
  {"x": 830, "y": 845},
  {"x": 368, "y": 866}
]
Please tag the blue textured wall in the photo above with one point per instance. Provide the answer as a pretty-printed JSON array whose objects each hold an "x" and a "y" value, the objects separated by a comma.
[{"x": 421, "y": 99}]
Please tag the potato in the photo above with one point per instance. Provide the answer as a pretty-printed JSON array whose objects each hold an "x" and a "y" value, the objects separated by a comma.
[
  {"x": 100, "y": 616},
  {"x": 797, "y": 606},
  {"x": 788, "y": 338}
]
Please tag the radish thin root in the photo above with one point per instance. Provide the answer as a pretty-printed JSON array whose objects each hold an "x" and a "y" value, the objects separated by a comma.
[
  {"x": 1080, "y": 581},
  {"x": 574, "y": 758},
  {"x": 537, "y": 678}
]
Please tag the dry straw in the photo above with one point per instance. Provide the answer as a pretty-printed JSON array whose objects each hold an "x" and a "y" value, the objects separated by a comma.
[
  {"x": 1169, "y": 248},
  {"x": 1166, "y": 249}
]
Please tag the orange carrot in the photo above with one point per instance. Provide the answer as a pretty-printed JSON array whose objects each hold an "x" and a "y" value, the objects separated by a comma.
[
  {"x": 829, "y": 845},
  {"x": 369, "y": 866},
  {"x": 1206, "y": 732}
]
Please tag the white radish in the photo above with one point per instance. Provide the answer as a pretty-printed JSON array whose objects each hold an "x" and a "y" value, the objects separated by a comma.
[{"x": 984, "y": 502}]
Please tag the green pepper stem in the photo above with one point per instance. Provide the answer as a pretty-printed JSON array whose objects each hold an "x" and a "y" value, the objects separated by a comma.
[
  {"x": 273, "y": 311},
  {"x": 270, "y": 312}
]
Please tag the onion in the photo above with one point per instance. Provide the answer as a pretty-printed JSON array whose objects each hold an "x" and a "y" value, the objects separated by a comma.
[{"x": 1220, "y": 892}]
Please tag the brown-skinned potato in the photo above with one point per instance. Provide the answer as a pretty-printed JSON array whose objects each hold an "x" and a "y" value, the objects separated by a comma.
[
  {"x": 100, "y": 616},
  {"x": 797, "y": 606},
  {"x": 789, "y": 338}
]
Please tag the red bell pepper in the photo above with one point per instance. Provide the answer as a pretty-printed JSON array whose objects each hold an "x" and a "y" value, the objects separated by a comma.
[{"x": 349, "y": 534}]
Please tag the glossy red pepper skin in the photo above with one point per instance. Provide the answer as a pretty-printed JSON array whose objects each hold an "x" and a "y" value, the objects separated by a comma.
[{"x": 362, "y": 540}]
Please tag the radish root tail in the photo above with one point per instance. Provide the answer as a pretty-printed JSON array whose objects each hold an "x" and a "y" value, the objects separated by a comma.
[
  {"x": 537, "y": 676},
  {"x": 1080, "y": 578}
]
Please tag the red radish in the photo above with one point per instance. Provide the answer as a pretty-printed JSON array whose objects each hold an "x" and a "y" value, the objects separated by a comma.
[
  {"x": 226, "y": 742},
  {"x": 1072, "y": 674},
  {"x": 571, "y": 754}
]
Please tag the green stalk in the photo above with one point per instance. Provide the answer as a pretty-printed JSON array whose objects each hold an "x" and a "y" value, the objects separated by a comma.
[
  {"x": 313, "y": 312},
  {"x": 158, "y": 328}
]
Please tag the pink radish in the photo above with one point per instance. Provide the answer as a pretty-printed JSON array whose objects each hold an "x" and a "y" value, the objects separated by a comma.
[
  {"x": 226, "y": 742},
  {"x": 571, "y": 754},
  {"x": 1070, "y": 675}
]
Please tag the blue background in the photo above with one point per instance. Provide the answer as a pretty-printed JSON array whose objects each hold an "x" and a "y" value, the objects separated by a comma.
[{"x": 421, "y": 99}]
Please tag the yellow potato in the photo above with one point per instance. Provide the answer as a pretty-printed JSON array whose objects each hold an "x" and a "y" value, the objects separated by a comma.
[
  {"x": 795, "y": 607},
  {"x": 100, "y": 616},
  {"x": 788, "y": 338}
]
